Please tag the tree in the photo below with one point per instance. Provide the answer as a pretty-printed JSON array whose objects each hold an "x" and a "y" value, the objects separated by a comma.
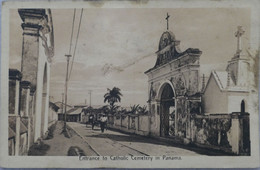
[
  {"x": 105, "y": 109},
  {"x": 114, "y": 109},
  {"x": 122, "y": 110},
  {"x": 113, "y": 96},
  {"x": 134, "y": 109},
  {"x": 143, "y": 110}
]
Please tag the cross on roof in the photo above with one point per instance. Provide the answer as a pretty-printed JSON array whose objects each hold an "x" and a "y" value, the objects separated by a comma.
[
  {"x": 238, "y": 34},
  {"x": 167, "y": 18}
]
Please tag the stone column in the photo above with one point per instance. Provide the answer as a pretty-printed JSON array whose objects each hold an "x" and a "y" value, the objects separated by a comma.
[
  {"x": 43, "y": 112},
  {"x": 25, "y": 97},
  {"x": 31, "y": 125},
  {"x": 30, "y": 53},
  {"x": 157, "y": 116},
  {"x": 24, "y": 106},
  {"x": 176, "y": 117},
  {"x": 14, "y": 91},
  {"x": 14, "y": 104},
  {"x": 236, "y": 132}
]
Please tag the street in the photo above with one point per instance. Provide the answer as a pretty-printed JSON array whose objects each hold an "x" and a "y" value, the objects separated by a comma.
[{"x": 116, "y": 143}]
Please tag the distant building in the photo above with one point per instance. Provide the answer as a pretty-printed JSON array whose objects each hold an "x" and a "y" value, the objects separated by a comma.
[{"x": 73, "y": 115}]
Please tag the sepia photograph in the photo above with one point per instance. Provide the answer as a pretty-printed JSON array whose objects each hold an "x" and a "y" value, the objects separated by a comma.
[{"x": 132, "y": 82}]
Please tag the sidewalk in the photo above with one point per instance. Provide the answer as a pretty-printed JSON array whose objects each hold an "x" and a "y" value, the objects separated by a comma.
[{"x": 59, "y": 145}]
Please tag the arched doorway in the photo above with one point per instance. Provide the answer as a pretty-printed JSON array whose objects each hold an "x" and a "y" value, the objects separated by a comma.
[
  {"x": 44, "y": 99},
  {"x": 167, "y": 111}
]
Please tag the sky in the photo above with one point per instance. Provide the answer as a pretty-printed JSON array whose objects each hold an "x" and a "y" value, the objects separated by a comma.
[{"x": 116, "y": 46}]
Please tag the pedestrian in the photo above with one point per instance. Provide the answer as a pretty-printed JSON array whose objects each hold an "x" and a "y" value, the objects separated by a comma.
[
  {"x": 103, "y": 120},
  {"x": 91, "y": 120},
  {"x": 106, "y": 122}
]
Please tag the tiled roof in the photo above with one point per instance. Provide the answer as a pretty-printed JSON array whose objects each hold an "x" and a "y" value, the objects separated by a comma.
[
  {"x": 221, "y": 78},
  {"x": 74, "y": 111}
]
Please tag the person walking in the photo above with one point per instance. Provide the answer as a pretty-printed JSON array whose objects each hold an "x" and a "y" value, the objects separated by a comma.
[
  {"x": 91, "y": 120},
  {"x": 103, "y": 121}
]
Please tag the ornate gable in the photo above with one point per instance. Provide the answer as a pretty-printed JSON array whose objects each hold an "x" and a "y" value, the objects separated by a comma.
[{"x": 169, "y": 49}]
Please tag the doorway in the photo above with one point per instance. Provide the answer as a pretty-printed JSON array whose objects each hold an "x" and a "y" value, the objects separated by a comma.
[{"x": 167, "y": 111}]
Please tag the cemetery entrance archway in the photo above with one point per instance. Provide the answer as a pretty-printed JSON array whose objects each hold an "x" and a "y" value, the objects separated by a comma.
[{"x": 167, "y": 110}]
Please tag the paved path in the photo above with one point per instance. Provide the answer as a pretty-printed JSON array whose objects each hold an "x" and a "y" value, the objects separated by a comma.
[
  {"x": 59, "y": 144},
  {"x": 120, "y": 144}
]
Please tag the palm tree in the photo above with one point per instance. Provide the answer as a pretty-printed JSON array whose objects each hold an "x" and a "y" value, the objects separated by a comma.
[
  {"x": 114, "y": 109},
  {"x": 143, "y": 110},
  {"x": 113, "y": 96},
  {"x": 134, "y": 109},
  {"x": 122, "y": 110},
  {"x": 105, "y": 109}
]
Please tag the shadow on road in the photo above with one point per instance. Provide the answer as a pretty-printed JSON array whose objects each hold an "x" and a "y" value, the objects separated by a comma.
[{"x": 150, "y": 140}]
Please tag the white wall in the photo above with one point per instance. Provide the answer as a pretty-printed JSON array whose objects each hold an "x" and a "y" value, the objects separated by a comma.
[
  {"x": 234, "y": 101},
  {"x": 143, "y": 123},
  {"x": 38, "y": 104},
  {"x": 214, "y": 101}
]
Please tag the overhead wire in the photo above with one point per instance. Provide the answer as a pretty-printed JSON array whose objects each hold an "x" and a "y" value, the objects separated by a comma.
[
  {"x": 75, "y": 48},
  {"x": 72, "y": 30}
]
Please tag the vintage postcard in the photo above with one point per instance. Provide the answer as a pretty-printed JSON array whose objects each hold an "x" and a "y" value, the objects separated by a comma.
[{"x": 129, "y": 84}]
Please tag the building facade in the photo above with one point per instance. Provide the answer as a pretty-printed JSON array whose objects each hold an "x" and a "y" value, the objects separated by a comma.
[
  {"x": 173, "y": 87},
  {"x": 215, "y": 116},
  {"x": 29, "y": 89}
]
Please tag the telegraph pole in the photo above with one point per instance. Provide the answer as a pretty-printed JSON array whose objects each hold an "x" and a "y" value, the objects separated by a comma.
[
  {"x": 62, "y": 103},
  {"x": 66, "y": 90},
  {"x": 90, "y": 91}
]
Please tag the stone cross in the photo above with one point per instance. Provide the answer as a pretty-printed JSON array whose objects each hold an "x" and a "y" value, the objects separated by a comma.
[
  {"x": 238, "y": 34},
  {"x": 167, "y": 18}
]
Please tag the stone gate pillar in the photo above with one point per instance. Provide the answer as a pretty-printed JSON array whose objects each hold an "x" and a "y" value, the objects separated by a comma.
[
  {"x": 240, "y": 141},
  {"x": 14, "y": 106}
]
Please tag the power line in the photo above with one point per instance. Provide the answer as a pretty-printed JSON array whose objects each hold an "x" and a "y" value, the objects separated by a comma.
[
  {"x": 90, "y": 91},
  {"x": 76, "y": 42},
  {"x": 72, "y": 30}
]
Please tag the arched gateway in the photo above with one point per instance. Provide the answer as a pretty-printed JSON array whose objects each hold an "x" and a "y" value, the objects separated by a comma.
[
  {"x": 173, "y": 88},
  {"x": 167, "y": 110}
]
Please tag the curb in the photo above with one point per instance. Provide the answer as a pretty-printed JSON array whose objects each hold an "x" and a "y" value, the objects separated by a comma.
[{"x": 98, "y": 154}]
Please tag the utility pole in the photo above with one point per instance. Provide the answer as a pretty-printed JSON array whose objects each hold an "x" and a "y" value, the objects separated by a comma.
[
  {"x": 66, "y": 90},
  {"x": 90, "y": 91},
  {"x": 62, "y": 103}
]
